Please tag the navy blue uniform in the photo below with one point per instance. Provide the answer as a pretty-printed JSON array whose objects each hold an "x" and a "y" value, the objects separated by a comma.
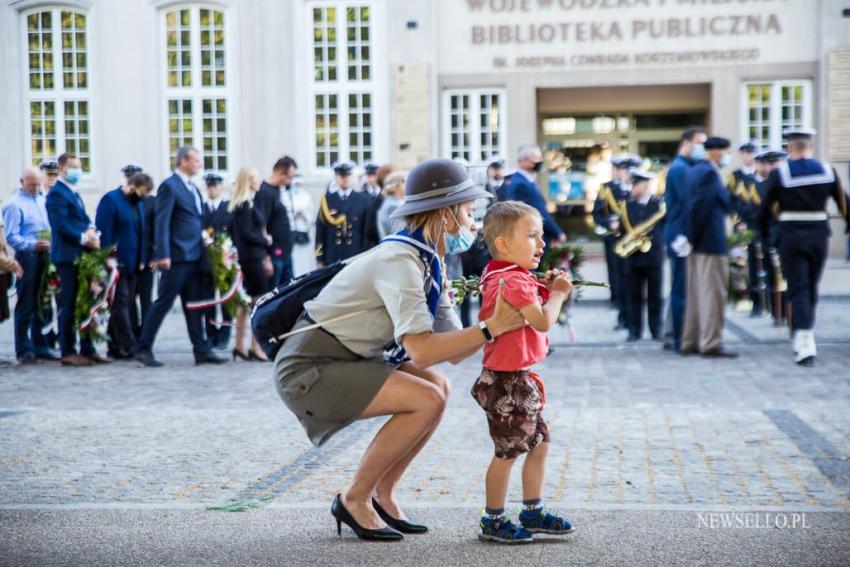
[
  {"x": 644, "y": 270},
  {"x": 799, "y": 189},
  {"x": 341, "y": 226},
  {"x": 746, "y": 201}
]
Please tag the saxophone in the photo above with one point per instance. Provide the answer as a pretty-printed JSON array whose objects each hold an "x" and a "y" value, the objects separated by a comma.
[{"x": 640, "y": 238}]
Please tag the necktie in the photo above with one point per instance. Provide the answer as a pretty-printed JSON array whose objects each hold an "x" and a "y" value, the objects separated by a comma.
[{"x": 197, "y": 195}]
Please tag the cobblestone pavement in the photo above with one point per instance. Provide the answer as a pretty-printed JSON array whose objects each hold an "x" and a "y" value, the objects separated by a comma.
[{"x": 633, "y": 428}]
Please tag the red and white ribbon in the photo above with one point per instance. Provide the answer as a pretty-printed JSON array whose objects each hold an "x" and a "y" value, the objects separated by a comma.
[
  {"x": 105, "y": 301},
  {"x": 207, "y": 303}
]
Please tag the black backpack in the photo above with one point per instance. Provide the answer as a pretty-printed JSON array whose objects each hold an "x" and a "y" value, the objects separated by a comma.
[{"x": 276, "y": 312}]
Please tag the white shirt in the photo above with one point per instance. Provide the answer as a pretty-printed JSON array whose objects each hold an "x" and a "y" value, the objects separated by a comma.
[
  {"x": 388, "y": 282},
  {"x": 214, "y": 203}
]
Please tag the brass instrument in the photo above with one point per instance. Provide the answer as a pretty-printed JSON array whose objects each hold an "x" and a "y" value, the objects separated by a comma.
[{"x": 640, "y": 237}]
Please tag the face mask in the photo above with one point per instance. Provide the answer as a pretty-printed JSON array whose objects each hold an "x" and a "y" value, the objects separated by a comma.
[
  {"x": 697, "y": 152},
  {"x": 73, "y": 175},
  {"x": 725, "y": 161},
  {"x": 460, "y": 242},
  {"x": 538, "y": 166}
]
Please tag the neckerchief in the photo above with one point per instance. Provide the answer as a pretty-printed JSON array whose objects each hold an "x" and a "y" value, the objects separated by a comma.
[
  {"x": 433, "y": 274},
  {"x": 495, "y": 267}
]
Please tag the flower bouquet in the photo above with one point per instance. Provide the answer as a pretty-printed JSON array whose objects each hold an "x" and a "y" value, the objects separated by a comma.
[
  {"x": 97, "y": 277},
  {"x": 48, "y": 286},
  {"x": 226, "y": 274}
]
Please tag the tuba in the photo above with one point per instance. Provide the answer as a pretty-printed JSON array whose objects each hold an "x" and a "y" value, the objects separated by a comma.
[{"x": 640, "y": 238}]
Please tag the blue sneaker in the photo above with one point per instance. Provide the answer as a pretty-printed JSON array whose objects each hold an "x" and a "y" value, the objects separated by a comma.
[
  {"x": 502, "y": 530},
  {"x": 542, "y": 522}
]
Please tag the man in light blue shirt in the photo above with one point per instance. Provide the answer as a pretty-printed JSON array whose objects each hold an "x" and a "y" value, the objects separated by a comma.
[{"x": 24, "y": 217}]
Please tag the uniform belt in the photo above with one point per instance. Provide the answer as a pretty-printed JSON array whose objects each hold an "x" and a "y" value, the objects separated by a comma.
[{"x": 803, "y": 216}]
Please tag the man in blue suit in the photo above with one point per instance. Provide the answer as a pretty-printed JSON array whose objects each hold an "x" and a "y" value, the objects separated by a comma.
[
  {"x": 675, "y": 228},
  {"x": 179, "y": 253},
  {"x": 523, "y": 187},
  {"x": 120, "y": 219},
  {"x": 708, "y": 266},
  {"x": 72, "y": 232}
]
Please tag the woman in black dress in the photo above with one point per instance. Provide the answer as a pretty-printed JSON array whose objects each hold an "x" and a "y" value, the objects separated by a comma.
[{"x": 252, "y": 242}]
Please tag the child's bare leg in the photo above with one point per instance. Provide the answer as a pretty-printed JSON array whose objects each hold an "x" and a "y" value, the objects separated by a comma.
[
  {"x": 534, "y": 471},
  {"x": 498, "y": 475}
]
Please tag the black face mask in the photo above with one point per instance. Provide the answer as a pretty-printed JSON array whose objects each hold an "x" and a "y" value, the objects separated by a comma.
[
  {"x": 538, "y": 166},
  {"x": 133, "y": 197}
]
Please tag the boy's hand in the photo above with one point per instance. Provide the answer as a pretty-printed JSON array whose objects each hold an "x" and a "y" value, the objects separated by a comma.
[{"x": 561, "y": 282}]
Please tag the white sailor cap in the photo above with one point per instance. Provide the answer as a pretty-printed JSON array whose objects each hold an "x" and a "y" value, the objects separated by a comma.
[
  {"x": 799, "y": 133},
  {"x": 638, "y": 175}
]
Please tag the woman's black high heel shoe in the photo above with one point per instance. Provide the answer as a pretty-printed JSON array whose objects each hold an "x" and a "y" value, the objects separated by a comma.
[
  {"x": 403, "y": 526},
  {"x": 252, "y": 356},
  {"x": 342, "y": 516},
  {"x": 239, "y": 354}
]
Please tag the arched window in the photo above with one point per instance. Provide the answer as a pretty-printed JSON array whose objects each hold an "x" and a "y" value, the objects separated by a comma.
[
  {"x": 58, "y": 82},
  {"x": 197, "y": 84}
]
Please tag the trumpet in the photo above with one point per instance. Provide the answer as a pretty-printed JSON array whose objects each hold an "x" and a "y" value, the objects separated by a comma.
[{"x": 640, "y": 238}]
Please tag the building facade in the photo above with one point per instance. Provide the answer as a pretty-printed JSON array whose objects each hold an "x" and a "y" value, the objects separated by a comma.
[{"x": 119, "y": 81}]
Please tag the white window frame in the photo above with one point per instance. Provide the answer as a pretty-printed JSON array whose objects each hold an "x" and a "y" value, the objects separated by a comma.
[
  {"x": 775, "y": 104},
  {"x": 475, "y": 128},
  {"x": 342, "y": 86},
  {"x": 59, "y": 94},
  {"x": 196, "y": 92}
]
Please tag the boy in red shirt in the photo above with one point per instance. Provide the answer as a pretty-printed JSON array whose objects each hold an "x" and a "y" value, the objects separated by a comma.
[{"x": 508, "y": 391}]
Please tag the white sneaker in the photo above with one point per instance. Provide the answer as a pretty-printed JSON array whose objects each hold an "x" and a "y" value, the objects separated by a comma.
[{"x": 807, "y": 349}]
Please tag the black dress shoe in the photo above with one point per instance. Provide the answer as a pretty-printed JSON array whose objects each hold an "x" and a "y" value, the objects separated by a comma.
[
  {"x": 208, "y": 358},
  {"x": 720, "y": 353},
  {"x": 342, "y": 516},
  {"x": 403, "y": 526},
  {"x": 146, "y": 358},
  {"x": 28, "y": 358},
  {"x": 632, "y": 339}
]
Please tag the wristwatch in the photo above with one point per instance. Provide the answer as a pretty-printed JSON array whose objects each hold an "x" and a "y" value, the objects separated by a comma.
[{"x": 488, "y": 336}]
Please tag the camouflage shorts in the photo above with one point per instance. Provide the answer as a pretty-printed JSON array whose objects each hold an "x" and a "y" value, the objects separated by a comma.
[{"x": 513, "y": 402}]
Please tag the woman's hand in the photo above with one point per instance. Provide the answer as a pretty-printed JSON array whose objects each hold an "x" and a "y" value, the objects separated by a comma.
[{"x": 505, "y": 318}]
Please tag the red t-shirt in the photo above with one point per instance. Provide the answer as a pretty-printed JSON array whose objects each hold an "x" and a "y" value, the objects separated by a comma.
[{"x": 523, "y": 347}]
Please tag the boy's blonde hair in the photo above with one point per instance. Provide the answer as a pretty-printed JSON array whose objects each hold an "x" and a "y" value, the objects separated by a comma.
[{"x": 501, "y": 218}]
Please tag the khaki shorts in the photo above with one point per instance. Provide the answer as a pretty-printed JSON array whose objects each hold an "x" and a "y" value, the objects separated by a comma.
[{"x": 514, "y": 403}]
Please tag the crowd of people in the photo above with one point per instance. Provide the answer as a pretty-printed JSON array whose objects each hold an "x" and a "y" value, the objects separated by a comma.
[
  {"x": 777, "y": 199},
  {"x": 280, "y": 232}
]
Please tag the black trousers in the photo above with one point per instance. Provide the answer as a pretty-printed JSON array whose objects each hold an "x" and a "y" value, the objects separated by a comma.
[
  {"x": 613, "y": 274},
  {"x": 639, "y": 278},
  {"x": 67, "y": 329},
  {"x": 756, "y": 295},
  {"x": 802, "y": 250},
  {"x": 144, "y": 295},
  {"x": 122, "y": 334},
  {"x": 217, "y": 336},
  {"x": 182, "y": 279}
]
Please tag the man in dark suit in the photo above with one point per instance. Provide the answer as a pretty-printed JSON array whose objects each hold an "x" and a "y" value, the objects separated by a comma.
[
  {"x": 72, "y": 232},
  {"x": 217, "y": 219},
  {"x": 270, "y": 204},
  {"x": 709, "y": 203},
  {"x": 120, "y": 218},
  {"x": 179, "y": 253},
  {"x": 523, "y": 187}
]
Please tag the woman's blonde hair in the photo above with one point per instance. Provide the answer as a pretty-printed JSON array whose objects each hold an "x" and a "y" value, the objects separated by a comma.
[
  {"x": 431, "y": 223},
  {"x": 242, "y": 192}
]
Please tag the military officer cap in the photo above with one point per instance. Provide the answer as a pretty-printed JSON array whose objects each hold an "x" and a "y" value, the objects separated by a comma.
[
  {"x": 717, "y": 143},
  {"x": 213, "y": 179},
  {"x": 799, "y": 134},
  {"x": 130, "y": 170},
  {"x": 638, "y": 175},
  {"x": 748, "y": 146},
  {"x": 496, "y": 162},
  {"x": 370, "y": 167},
  {"x": 343, "y": 168},
  {"x": 438, "y": 183},
  {"x": 627, "y": 161},
  {"x": 771, "y": 156},
  {"x": 49, "y": 166}
]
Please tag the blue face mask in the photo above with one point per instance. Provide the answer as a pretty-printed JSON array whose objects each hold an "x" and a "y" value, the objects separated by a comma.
[
  {"x": 460, "y": 242},
  {"x": 697, "y": 152},
  {"x": 73, "y": 175},
  {"x": 725, "y": 161}
]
